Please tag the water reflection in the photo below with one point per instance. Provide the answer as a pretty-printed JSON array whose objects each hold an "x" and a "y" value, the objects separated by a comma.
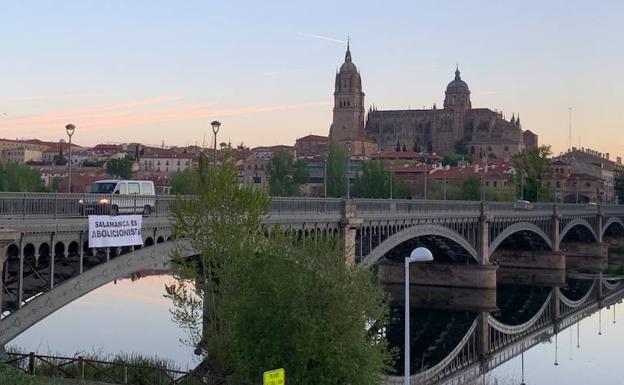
[
  {"x": 129, "y": 316},
  {"x": 132, "y": 316},
  {"x": 472, "y": 343}
]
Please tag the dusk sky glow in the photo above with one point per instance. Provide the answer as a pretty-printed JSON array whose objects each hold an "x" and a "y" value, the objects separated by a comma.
[{"x": 153, "y": 71}]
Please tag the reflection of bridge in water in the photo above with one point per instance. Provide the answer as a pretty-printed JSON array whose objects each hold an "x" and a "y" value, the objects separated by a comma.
[{"x": 458, "y": 346}]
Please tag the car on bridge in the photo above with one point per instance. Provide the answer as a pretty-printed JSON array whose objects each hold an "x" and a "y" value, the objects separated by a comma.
[
  {"x": 523, "y": 205},
  {"x": 113, "y": 197}
]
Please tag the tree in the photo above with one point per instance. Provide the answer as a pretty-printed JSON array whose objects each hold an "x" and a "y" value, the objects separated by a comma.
[
  {"x": 532, "y": 166},
  {"x": 286, "y": 176},
  {"x": 121, "y": 168},
  {"x": 184, "y": 182},
  {"x": 222, "y": 223},
  {"x": 336, "y": 177},
  {"x": 315, "y": 324},
  {"x": 470, "y": 189},
  {"x": 454, "y": 159},
  {"x": 619, "y": 187},
  {"x": 16, "y": 177},
  {"x": 376, "y": 181},
  {"x": 317, "y": 317}
]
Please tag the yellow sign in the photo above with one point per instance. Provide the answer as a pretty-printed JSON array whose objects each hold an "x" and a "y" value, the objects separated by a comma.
[{"x": 274, "y": 377}]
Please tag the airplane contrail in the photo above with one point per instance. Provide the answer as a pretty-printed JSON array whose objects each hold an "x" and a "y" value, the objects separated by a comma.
[{"x": 322, "y": 38}]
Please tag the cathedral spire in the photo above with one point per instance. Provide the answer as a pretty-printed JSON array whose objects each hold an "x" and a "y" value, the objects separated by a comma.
[
  {"x": 457, "y": 77},
  {"x": 348, "y": 53}
]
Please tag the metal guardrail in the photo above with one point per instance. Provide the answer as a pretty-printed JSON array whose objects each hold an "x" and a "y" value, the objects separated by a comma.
[
  {"x": 116, "y": 372},
  {"x": 51, "y": 205},
  {"x": 369, "y": 206}
]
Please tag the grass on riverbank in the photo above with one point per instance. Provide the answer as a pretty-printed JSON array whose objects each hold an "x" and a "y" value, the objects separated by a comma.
[
  {"x": 11, "y": 376},
  {"x": 138, "y": 369}
]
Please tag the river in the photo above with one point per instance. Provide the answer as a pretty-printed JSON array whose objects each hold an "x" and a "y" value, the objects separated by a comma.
[{"x": 133, "y": 317}]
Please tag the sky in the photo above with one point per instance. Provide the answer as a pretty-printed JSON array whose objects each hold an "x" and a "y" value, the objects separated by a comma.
[{"x": 160, "y": 71}]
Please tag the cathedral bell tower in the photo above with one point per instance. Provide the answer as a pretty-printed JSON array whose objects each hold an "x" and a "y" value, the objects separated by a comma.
[{"x": 348, "y": 121}]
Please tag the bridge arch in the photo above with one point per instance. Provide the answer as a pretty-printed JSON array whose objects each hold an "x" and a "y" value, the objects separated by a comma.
[
  {"x": 577, "y": 222},
  {"x": 609, "y": 222},
  {"x": 47, "y": 303},
  {"x": 516, "y": 228},
  {"x": 415, "y": 232}
]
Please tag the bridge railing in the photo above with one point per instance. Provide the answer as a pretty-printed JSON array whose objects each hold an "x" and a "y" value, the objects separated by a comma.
[
  {"x": 305, "y": 206},
  {"x": 375, "y": 206},
  {"x": 52, "y": 205},
  {"x": 57, "y": 205}
]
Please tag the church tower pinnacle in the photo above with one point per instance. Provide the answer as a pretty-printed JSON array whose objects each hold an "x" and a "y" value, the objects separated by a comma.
[{"x": 348, "y": 120}]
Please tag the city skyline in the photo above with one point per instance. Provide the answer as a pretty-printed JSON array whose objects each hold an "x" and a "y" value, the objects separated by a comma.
[{"x": 163, "y": 72}]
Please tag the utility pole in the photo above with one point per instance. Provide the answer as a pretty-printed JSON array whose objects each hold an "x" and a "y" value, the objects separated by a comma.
[{"x": 569, "y": 128}]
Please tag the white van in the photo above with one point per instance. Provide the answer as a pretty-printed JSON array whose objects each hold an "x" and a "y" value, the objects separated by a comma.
[{"x": 112, "y": 197}]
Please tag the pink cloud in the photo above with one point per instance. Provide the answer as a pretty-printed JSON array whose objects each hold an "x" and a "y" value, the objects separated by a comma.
[{"x": 131, "y": 113}]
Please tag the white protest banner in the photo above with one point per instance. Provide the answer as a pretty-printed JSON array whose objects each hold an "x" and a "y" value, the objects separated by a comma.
[{"x": 114, "y": 231}]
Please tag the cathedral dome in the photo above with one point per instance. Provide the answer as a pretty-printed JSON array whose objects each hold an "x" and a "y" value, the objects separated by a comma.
[
  {"x": 348, "y": 65},
  {"x": 457, "y": 84}
]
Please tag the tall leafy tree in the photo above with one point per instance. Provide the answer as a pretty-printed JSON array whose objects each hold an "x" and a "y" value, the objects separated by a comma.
[
  {"x": 336, "y": 177},
  {"x": 533, "y": 165},
  {"x": 184, "y": 182},
  {"x": 619, "y": 187},
  {"x": 286, "y": 175},
  {"x": 222, "y": 223},
  {"x": 16, "y": 177},
  {"x": 312, "y": 312},
  {"x": 121, "y": 168},
  {"x": 470, "y": 189},
  {"x": 377, "y": 181},
  {"x": 315, "y": 316}
]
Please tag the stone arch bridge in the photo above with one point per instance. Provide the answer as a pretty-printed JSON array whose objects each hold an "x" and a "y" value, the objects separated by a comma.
[{"x": 46, "y": 256}]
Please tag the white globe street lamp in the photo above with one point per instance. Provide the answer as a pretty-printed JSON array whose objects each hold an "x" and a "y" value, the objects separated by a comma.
[
  {"x": 69, "y": 129},
  {"x": 419, "y": 254}
]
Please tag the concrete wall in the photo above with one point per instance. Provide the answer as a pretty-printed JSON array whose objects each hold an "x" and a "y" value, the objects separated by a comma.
[
  {"x": 434, "y": 274},
  {"x": 530, "y": 259},
  {"x": 451, "y": 298}
]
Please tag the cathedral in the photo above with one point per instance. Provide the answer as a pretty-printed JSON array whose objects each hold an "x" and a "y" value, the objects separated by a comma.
[{"x": 456, "y": 128}]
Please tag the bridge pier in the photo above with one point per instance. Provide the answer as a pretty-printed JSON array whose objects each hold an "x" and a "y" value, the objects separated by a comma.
[
  {"x": 483, "y": 335},
  {"x": 484, "y": 235},
  {"x": 349, "y": 224},
  {"x": 441, "y": 275},
  {"x": 7, "y": 236},
  {"x": 445, "y": 298},
  {"x": 530, "y": 259},
  {"x": 592, "y": 256}
]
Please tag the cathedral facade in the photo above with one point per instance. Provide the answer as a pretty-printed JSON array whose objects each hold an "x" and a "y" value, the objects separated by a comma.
[{"x": 455, "y": 128}]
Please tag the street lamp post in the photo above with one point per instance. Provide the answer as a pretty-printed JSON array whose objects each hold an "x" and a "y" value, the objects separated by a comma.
[
  {"x": 215, "y": 129},
  {"x": 69, "y": 129},
  {"x": 325, "y": 156},
  {"x": 348, "y": 170},
  {"x": 446, "y": 168},
  {"x": 419, "y": 254}
]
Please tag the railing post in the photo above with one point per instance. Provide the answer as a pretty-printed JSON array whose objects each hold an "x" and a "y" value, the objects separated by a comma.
[
  {"x": 31, "y": 363},
  {"x": 124, "y": 373},
  {"x": 81, "y": 368}
]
